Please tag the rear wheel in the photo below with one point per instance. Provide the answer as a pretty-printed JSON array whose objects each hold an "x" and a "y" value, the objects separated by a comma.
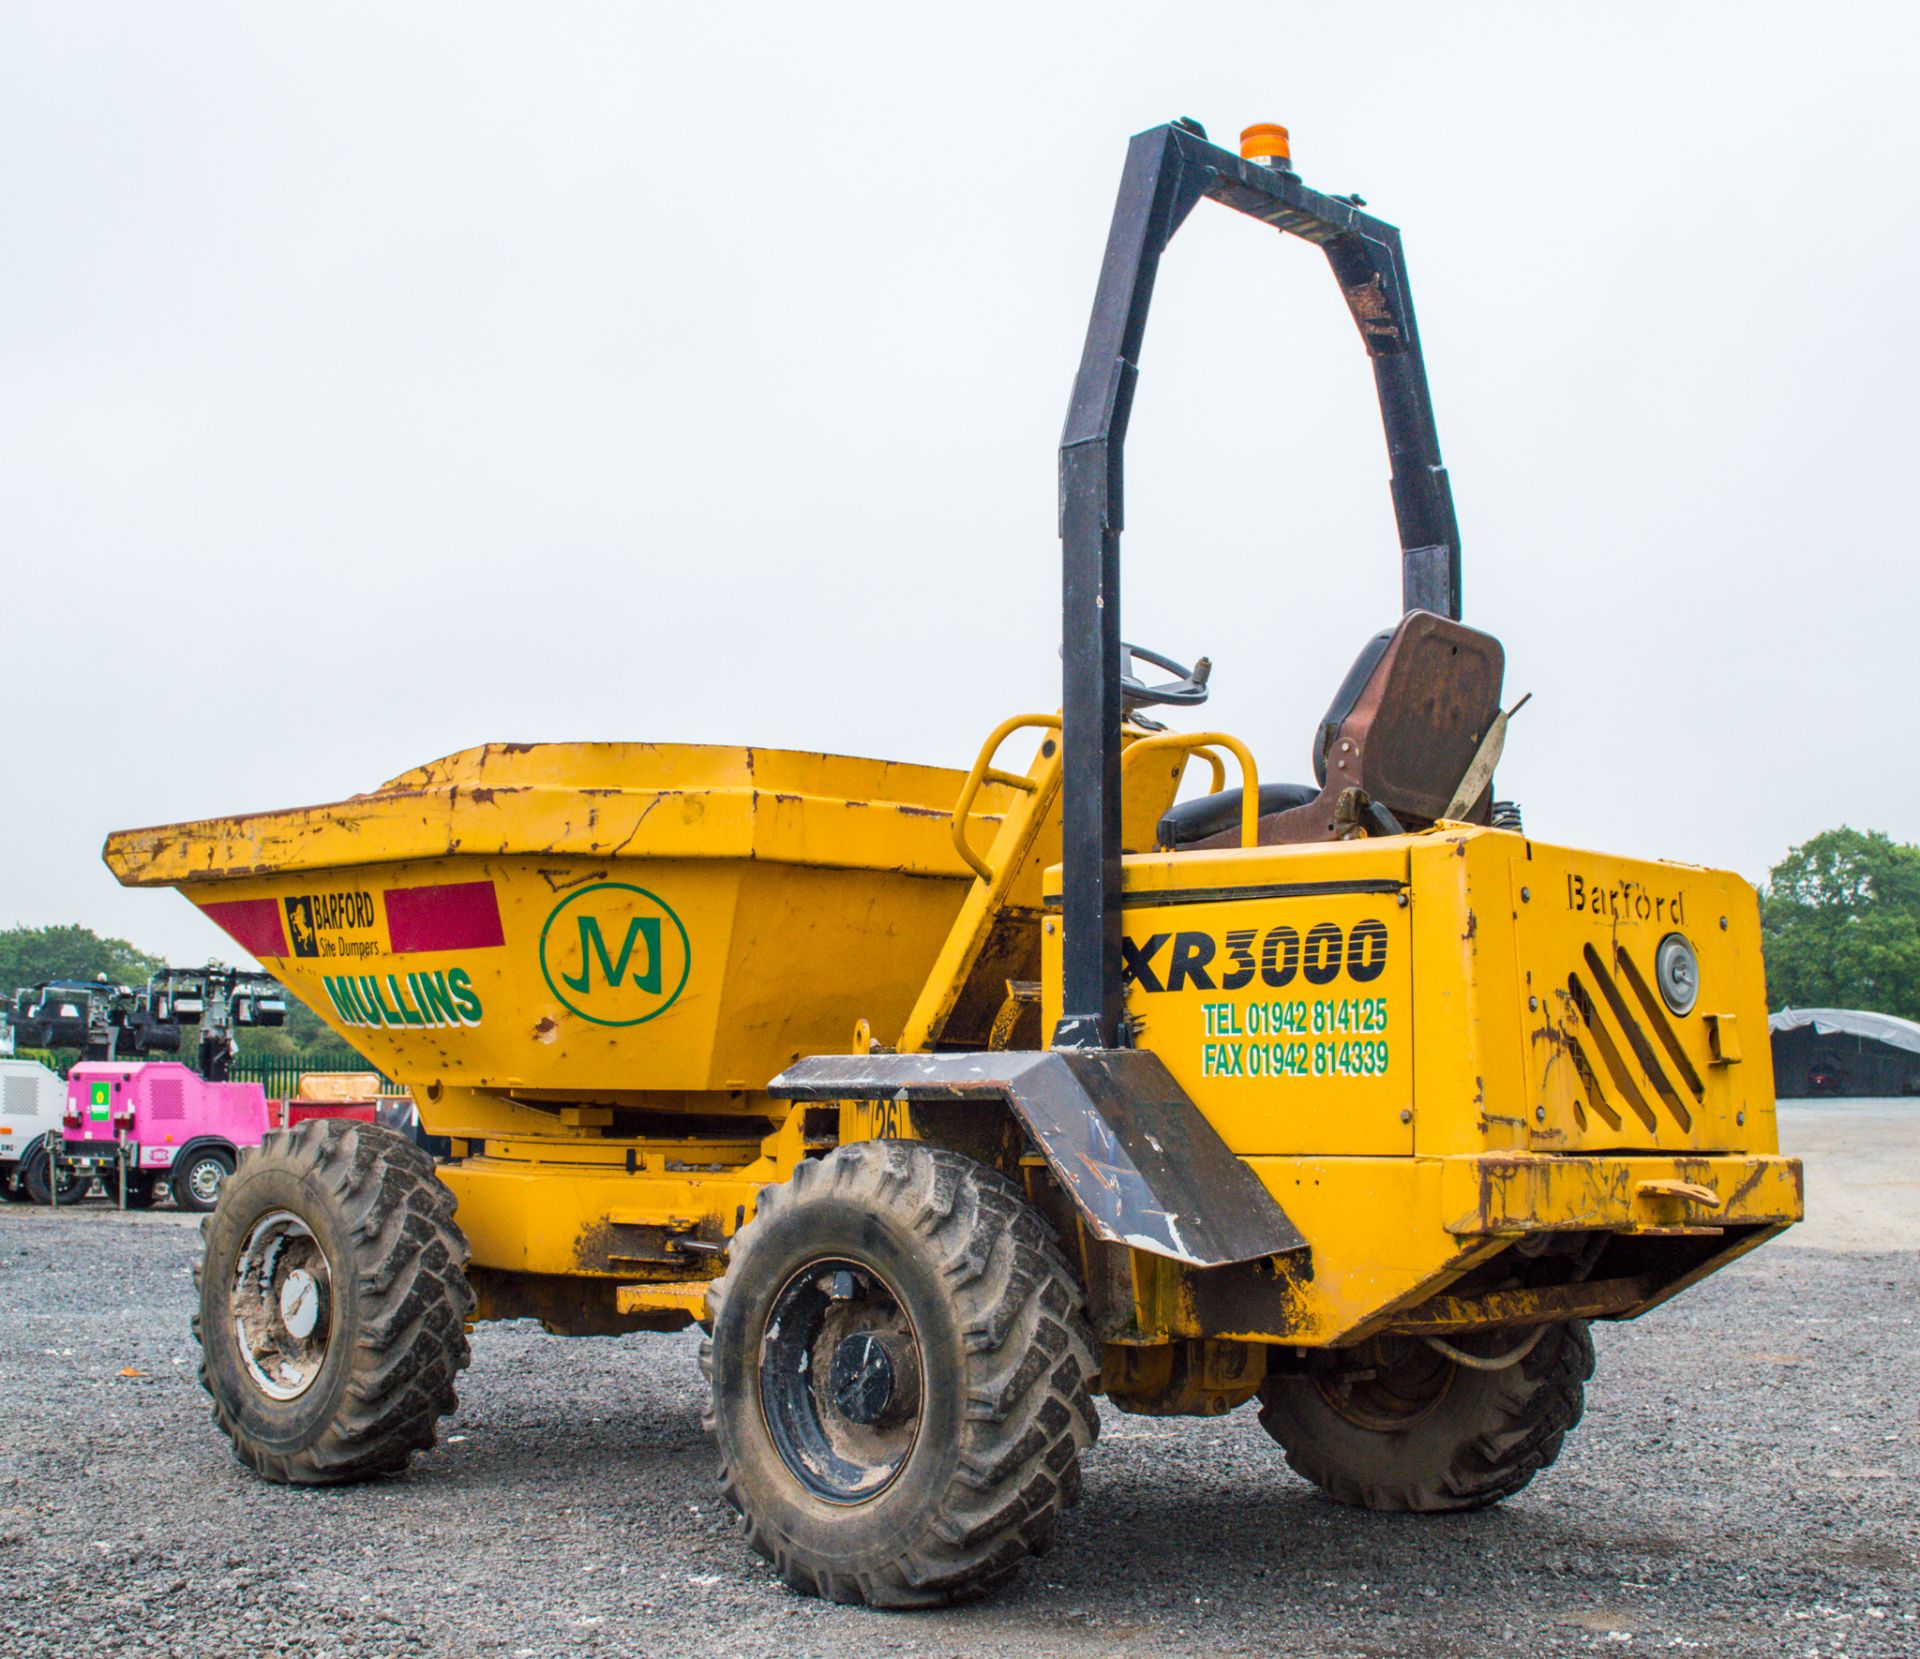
[
  {"x": 196, "y": 1180},
  {"x": 12, "y": 1189},
  {"x": 899, "y": 1367},
  {"x": 333, "y": 1303},
  {"x": 1398, "y": 1424},
  {"x": 140, "y": 1190},
  {"x": 67, "y": 1186}
]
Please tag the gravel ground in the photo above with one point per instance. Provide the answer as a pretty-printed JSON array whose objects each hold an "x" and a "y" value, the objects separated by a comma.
[{"x": 1744, "y": 1483}]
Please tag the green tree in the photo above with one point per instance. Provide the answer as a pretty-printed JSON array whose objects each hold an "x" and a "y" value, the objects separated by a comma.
[
  {"x": 29, "y": 955},
  {"x": 305, "y": 1030},
  {"x": 1840, "y": 917}
]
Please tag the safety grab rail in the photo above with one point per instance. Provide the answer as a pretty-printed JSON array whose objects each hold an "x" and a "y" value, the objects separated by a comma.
[
  {"x": 984, "y": 771},
  {"x": 1204, "y": 743}
]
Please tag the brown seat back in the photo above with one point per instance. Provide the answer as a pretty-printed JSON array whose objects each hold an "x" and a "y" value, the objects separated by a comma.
[
  {"x": 1404, "y": 727},
  {"x": 1411, "y": 728}
]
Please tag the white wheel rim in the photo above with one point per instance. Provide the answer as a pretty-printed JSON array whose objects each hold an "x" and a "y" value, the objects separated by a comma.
[{"x": 281, "y": 1304}]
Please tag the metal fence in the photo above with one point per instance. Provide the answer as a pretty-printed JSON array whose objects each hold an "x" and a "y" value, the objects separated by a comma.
[{"x": 280, "y": 1076}]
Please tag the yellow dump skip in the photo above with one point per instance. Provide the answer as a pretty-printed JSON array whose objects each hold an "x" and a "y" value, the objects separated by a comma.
[{"x": 579, "y": 917}]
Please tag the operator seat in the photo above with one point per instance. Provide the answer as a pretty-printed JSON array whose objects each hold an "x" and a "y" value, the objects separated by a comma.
[{"x": 1402, "y": 729}]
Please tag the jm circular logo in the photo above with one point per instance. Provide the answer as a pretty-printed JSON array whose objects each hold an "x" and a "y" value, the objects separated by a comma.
[{"x": 615, "y": 954}]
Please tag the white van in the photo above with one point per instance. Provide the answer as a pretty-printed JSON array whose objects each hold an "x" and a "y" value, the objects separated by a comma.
[{"x": 32, "y": 1101}]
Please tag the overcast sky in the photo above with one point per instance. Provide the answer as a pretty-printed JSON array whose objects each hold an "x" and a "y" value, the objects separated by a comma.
[{"x": 380, "y": 380}]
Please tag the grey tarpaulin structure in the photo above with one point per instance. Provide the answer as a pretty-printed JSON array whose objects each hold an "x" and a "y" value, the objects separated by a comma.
[{"x": 1844, "y": 1051}]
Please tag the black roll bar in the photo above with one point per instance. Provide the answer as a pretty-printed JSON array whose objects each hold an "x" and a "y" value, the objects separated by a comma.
[{"x": 1169, "y": 169}]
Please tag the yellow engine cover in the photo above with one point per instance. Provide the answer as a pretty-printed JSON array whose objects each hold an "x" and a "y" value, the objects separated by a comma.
[
  {"x": 1429, "y": 1046},
  {"x": 1461, "y": 990}
]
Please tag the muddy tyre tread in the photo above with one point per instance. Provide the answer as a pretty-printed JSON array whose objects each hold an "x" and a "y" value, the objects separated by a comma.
[
  {"x": 1029, "y": 1414},
  {"x": 1523, "y": 1414},
  {"x": 411, "y": 1339}
]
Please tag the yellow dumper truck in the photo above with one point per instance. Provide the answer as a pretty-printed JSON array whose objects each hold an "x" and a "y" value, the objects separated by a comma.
[{"x": 945, "y": 1103}]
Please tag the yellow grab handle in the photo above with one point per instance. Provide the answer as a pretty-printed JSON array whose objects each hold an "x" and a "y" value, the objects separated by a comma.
[
  {"x": 1204, "y": 741},
  {"x": 983, "y": 768}
]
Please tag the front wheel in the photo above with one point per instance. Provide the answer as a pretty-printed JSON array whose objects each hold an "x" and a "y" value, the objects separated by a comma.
[
  {"x": 899, "y": 1368},
  {"x": 333, "y": 1303},
  {"x": 1397, "y": 1424}
]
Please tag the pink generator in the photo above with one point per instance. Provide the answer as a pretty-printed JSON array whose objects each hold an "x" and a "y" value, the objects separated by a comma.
[{"x": 158, "y": 1121}]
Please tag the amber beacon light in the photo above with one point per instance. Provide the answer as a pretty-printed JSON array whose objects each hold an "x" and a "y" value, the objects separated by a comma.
[{"x": 1268, "y": 143}]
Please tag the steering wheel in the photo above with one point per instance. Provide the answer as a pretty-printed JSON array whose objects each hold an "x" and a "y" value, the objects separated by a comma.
[{"x": 1187, "y": 689}]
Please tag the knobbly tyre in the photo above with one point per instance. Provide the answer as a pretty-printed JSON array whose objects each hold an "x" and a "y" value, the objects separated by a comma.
[{"x": 947, "y": 1103}]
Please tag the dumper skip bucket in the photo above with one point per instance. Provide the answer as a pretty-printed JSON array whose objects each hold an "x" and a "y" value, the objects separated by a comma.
[{"x": 590, "y": 918}]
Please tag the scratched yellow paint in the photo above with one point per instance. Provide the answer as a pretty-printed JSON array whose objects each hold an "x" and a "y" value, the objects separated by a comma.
[
  {"x": 1427, "y": 1047},
  {"x": 791, "y": 895}
]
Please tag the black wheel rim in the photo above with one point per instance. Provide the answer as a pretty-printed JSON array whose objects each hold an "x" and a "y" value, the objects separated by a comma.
[
  {"x": 1388, "y": 1384},
  {"x": 841, "y": 1380}
]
